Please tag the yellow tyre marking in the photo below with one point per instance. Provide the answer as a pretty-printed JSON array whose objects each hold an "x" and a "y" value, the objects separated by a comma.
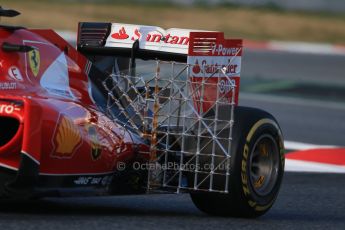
[
  {"x": 258, "y": 124},
  {"x": 244, "y": 177}
]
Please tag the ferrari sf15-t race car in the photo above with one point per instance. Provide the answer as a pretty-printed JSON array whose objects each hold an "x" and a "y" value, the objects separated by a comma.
[{"x": 133, "y": 110}]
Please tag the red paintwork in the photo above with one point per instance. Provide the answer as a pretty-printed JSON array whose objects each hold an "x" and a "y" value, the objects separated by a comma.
[
  {"x": 334, "y": 156},
  {"x": 43, "y": 113}
]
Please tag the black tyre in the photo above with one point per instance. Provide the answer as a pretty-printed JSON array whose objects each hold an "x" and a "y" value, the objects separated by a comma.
[{"x": 256, "y": 168}]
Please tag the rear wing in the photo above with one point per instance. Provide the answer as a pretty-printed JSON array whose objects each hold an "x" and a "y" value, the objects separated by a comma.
[
  {"x": 184, "y": 110},
  {"x": 212, "y": 60},
  {"x": 147, "y": 42}
]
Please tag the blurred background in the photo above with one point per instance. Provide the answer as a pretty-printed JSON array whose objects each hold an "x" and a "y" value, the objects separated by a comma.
[
  {"x": 294, "y": 59},
  {"x": 298, "y": 20}
]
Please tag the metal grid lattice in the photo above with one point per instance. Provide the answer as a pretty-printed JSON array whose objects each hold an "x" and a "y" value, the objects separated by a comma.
[{"x": 189, "y": 131}]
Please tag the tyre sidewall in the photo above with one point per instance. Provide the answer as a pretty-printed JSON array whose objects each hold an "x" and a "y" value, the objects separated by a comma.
[{"x": 247, "y": 134}]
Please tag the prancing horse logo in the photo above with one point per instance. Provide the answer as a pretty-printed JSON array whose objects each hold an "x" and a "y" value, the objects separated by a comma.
[
  {"x": 34, "y": 60},
  {"x": 96, "y": 147}
]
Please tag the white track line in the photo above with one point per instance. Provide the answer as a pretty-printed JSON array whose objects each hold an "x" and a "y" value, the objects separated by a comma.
[
  {"x": 308, "y": 48},
  {"x": 292, "y": 145},
  {"x": 307, "y": 166}
]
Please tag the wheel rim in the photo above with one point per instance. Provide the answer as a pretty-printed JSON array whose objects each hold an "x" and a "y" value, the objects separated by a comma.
[{"x": 264, "y": 165}]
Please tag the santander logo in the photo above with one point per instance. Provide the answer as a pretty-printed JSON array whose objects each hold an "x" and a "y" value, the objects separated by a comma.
[
  {"x": 207, "y": 68},
  {"x": 196, "y": 68},
  {"x": 121, "y": 35},
  {"x": 153, "y": 36}
]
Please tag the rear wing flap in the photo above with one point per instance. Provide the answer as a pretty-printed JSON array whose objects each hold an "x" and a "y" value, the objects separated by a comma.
[{"x": 148, "y": 42}]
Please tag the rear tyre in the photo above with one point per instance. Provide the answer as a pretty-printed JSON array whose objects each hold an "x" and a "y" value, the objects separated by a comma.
[{"x": 256, "y": 168}]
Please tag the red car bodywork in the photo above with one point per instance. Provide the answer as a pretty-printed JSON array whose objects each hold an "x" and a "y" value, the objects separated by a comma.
[
  {"x": 135, "y": 109},
  {"x": 56, "y": 130}
]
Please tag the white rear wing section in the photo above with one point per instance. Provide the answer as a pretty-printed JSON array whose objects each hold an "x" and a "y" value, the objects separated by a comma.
[
  {"x": 149, "y": 37},
  {"x": 152, "y": 42}
]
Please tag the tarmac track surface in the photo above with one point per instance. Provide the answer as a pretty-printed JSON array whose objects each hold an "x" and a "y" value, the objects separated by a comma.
[
  {"x": 306, "y": 201},
  {"x": 305, "y": 121},
  {"x": 302, "y": 119},
  {"x": 304, "y": 67}
]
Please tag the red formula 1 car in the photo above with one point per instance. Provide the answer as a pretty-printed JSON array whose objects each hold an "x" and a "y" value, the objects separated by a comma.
[{"x": 134, "y": 110}]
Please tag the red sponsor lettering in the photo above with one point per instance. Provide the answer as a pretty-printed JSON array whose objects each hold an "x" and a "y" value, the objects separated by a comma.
[
  {"x": 137, "y": 35},
  {"x": 152, "y": 37},
  {"x": 196, "y": 68}
]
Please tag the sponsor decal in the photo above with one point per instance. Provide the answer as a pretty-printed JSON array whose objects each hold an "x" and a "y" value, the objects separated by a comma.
[
  {"x": 34, "y": 61},
  {"x": 215, "y": 66},
  {"x": 121, "y": 34},
  {"x": 226, "y": 85},
  {"x": 42, "y": 62},
  {"x": 14, "y": 73},
  {"x": 67, "y": 139},
  {"x": 196, "y": 68},
  {"x": 8, "y": 109},
  {"x": 209, "y": 66},
  {"x": 96, "y": 147},
  {"x": 149, "y": 37},
  {"x": 153, "y": 36},
  {"x": 160, "y": 38},
  {"x": 8, "y": 85},
  {"x": 220, "y": 50},
  {"x": 90, "y": 180}
]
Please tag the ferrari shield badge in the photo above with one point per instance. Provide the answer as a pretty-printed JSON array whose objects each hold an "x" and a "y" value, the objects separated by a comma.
[
  {"x": 34, "y": 61},
  {"x": 96, "y": 148}
]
